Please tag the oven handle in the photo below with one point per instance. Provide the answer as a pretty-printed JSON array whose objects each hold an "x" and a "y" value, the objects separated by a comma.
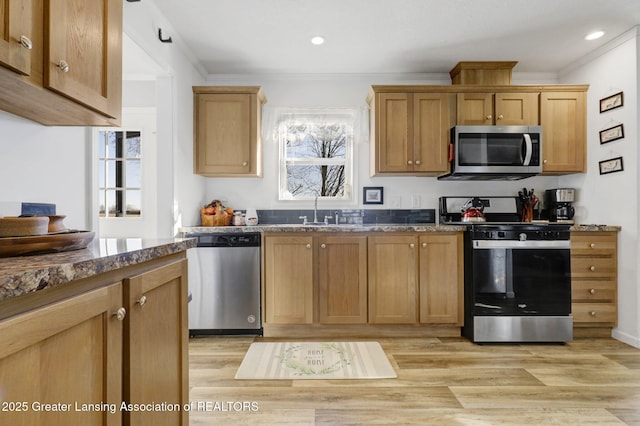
[
  {"x": 529, "y": 151},
  {"x": 537, "y": 245}
]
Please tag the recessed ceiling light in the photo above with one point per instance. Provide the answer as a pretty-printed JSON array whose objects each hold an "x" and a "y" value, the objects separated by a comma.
[
  {"x": 594, "y": 35},
  {"x": 317, "y": 40}
]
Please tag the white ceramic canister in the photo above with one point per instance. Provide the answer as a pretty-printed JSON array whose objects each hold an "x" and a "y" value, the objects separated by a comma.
[{"x": 251, "y": 217}]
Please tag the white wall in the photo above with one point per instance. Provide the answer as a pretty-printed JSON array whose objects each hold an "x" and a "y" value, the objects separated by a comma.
[
  {"x": 614, "y": 198},
  {"x": 340, "y": 91}
]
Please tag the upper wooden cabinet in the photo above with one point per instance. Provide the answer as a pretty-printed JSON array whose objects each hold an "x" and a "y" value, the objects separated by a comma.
[
  {"x": 501, "y": 109},
  {"x": 563, "y": 116},
  {"x": 410, "y": 131},
  {"x": 227, "y": 131},
  {"x": 72, "y": 74},
  {"x": 16, "y": 35}
]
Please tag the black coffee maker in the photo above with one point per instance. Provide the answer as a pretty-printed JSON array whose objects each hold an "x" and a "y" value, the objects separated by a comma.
[{"x": 558, "y": 203}]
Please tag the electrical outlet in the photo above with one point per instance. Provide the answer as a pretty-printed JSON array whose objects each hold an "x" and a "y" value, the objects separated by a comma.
[{"x": 415, "y": 201}]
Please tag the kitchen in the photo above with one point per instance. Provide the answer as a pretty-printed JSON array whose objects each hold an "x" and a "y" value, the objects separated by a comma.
[{"x": 604, "y": 199}]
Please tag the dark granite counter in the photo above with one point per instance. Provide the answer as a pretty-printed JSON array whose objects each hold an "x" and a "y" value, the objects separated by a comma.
[
  {"x": 24, "y": 274},
  {"x": 322, "y": 228}
]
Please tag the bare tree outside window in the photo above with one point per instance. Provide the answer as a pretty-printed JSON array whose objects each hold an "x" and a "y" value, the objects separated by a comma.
[{"x": 316, "y": 154}]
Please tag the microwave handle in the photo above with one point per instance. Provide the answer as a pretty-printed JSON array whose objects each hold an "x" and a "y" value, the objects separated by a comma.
[{"x": 529, "y": 149}]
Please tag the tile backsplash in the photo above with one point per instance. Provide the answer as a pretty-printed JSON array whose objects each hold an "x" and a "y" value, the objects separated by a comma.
[{"x": 349, "y": 216}]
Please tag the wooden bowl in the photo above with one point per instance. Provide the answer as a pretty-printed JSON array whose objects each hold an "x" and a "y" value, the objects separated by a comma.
[{"x": 23, "y": 226}]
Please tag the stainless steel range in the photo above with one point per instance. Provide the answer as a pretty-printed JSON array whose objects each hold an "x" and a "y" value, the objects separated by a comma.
[{"x": 517, "y": 276}]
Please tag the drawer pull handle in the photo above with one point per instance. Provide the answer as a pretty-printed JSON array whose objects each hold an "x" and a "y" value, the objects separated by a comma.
[
  {"x": 412, "y": 245},
  {"x": 424, "y": 245},
  {"x": 593, "y": 313},
  {"x": 120, "y": 314},
  {"x": 592, "y": 268},
  {"x": 323, "y": 246},
  {"x": 500, "y": 117},
  {"x": 308, "y": 246},
  {"x": 418, "y": 162},
  {"x": 64, "y": 66},
  {"x": 592, "y": 291},
  {"x": 142, "y": 301},
  {"x": 244, "y": 164},
  {"x": 489, "y": 117},
  {"x": 409, "y": 162},
  {"x": 592, "y": 245}
]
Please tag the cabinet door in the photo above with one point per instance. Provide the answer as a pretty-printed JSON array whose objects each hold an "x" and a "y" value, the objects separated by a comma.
[
  {"x": 441, "y": 279},
  {"x": 474, "y": 109},
  {"x": 393, "y": 147},
  {"x": 15, "y": 35},
  {"x": 563, "y": 121},
  {"x": 431, "y": 124},
  {"x": 156, "y": 361},
  {"x": 226, "y": 134},
  {"x": 68, "y": 353},
  {"x": 393, "y": 272},
  {"x": 342, "y": 279},
  {"x": 517, "y": 109},
  {"x": 288, "y": 280},
  {"x": 83, "y": 52}
]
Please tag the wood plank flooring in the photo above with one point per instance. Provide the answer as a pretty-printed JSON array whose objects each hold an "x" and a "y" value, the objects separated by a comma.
[{"x": 441, "y": 381}]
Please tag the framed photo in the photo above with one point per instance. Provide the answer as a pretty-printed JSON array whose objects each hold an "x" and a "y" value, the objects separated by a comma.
[
  {"x": 372, "y": 195},
  {"x": 611, "y": 134},
  {"x": 611, "y": 166},
  {"x": 611, "y": 102}
]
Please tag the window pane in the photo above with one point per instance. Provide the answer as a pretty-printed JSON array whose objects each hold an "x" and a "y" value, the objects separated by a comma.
[
  {"x": 101, "y": 203},
  {"x": 111, "y": 173},
  {"x": 101, "y": 174},
  {"x": 312, "y": 181},
  {"x": 111, "y": 202},
  {"x": 133, "y": 174},
  {"x": 133, "y": 202},
  {"x": 111, "y": 144},
  {"x": 102, "y": 143},
  {"x": 316, "y": 142},
  {"x": 133, "y": 144}
]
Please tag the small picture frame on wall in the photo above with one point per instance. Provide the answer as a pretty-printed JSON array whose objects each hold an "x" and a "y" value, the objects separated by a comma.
[
  {"x": 611, "y": 102},
  {"x": 372, "y": 195},
  {"x": 611, "y": 134},
  {"x": 612, "y": 165}
]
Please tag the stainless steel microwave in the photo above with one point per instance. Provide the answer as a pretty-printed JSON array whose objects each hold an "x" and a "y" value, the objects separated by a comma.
[{"x": 495, "y": 152}]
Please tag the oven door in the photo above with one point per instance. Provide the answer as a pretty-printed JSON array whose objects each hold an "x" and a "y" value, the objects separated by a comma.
[{"x": 521, "y": 278}]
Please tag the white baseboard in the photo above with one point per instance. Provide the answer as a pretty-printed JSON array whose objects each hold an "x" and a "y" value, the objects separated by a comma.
[{"x": 626, "y": 338}]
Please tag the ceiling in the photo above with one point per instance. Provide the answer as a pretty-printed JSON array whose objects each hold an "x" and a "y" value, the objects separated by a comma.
[{"x": 391, "y": 36}]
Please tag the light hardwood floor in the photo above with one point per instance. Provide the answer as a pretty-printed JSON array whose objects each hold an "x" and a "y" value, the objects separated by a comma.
[{"x": 441, "y": 381}]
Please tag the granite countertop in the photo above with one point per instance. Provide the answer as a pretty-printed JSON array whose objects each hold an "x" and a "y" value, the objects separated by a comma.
[
  {"x": 323, "y": 228},
  {"x": 592, "y": 228},
  {"x": 24, "y": 274}
]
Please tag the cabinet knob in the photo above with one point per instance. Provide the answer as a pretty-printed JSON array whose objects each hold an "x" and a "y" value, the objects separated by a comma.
[
  {"x": 593, "y": 313},
  {"x": 63, "y": 65},
  {"x": 500, "y": 117},
  {"x": 592, "y": 245},
  {"x": 418, "y": 162},
  {"x": 409, "y": 162},
  {"x": 25, "y": 42},
  {"x": 308, "y": 246},
  {"x": 120, "y": 314},
  {"x": 412, "y": 245},
  {"x": 489, "y": 117},
  {"x": 592, "y": 268},
  {"x": 142, "y": 301},
  {"x": 424, "y": 245},
  {"x": 592, "y": 291},
  {"x": 244, "y": 164},
  {"x": 323, "y": 246},
  {"x": 544, "y": 161}
]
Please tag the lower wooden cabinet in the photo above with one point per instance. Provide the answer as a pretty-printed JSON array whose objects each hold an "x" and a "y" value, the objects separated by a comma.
[
  {"x": 594, "y": 279},
  {"x": 393, "y": 279},
  {"x": 156, "y": 358},
  {"x": 112, "y": 339},
  {"x": 371, "y": 279},
  {"x": 67, "y": 354},
  {"x": 288, "y": 279}
]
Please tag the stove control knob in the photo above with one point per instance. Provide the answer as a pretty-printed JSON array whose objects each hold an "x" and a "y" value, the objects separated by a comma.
[
  {"x": 523, "y": 237},
  {"x": 488, "y": 234}
]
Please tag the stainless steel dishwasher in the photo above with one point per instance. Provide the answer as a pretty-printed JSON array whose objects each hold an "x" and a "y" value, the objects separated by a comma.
[{"x": 224, "y": 282}]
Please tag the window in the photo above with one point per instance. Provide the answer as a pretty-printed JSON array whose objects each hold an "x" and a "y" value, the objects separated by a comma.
[
  {"x": 316, "y": 151},
  {"x": 119, "y": 173}
]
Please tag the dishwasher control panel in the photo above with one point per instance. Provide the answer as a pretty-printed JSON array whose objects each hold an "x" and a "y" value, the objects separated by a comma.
[{"x": 228, "y": 240}]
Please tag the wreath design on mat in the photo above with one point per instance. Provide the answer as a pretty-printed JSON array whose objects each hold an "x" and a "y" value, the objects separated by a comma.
[{"x": 312, "y": 364}]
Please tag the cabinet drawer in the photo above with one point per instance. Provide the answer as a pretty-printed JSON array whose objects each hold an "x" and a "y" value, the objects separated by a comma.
[
  {"x": 593, "y": 290},
  {"x": 582, "y": 267},
  {"x": 596, "y": 243},
  {"x": 594, "y": 312}
]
